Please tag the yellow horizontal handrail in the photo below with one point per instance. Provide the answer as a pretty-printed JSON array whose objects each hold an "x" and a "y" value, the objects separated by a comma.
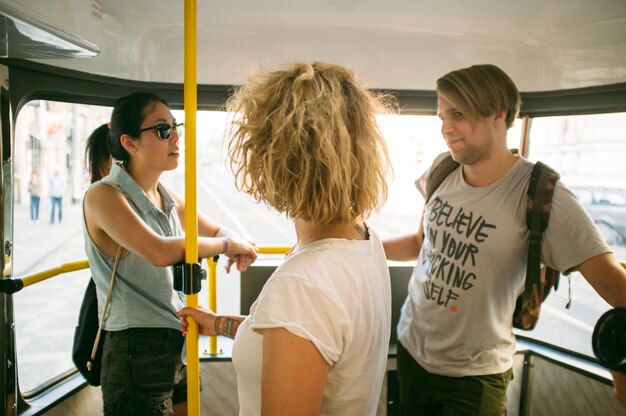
[
  {"x": 62, "y": 268},
  {"x": 274, "y": 250},
  {"x": 84, "y": 264}
]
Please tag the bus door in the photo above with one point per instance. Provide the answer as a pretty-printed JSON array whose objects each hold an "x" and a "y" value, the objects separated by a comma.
[{"x": 8, "y": 384}]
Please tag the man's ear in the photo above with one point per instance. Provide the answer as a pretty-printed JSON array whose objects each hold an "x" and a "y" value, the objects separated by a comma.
[{"x": 500, "y": 116}]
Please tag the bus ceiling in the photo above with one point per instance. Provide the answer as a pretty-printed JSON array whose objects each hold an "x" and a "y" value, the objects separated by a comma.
[
  {"x": 36, "y": 81},
  {"x": 564, "y": 54},
  {"x": 29, "y": 34}
]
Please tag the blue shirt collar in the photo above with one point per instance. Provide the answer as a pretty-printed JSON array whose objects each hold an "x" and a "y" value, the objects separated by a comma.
[{"x": 119, "y": 177}]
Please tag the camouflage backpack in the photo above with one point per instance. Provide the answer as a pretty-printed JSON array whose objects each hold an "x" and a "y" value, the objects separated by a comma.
[{"x": 539, "y": 279}]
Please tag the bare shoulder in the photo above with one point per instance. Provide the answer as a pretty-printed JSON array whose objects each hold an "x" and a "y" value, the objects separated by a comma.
[
  {"x": 102, "y": 194},
  {"x": 101, "y": 189}
]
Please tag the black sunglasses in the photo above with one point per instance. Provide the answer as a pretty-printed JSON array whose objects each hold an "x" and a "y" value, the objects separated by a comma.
[{"x": 164, "y": 130}]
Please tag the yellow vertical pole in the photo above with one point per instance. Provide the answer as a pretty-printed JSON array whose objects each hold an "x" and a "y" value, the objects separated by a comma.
[
  {"x": 191, "y": 218},
  {"x": 212, "y": 300}
]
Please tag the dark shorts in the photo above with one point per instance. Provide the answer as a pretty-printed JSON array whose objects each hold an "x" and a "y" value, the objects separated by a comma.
[
  {"x": 142, "y": 372},
  {"x": 424, "y": 393}
]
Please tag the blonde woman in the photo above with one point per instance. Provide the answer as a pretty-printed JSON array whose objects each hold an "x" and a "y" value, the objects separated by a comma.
[{"x": 306, "y": 142}]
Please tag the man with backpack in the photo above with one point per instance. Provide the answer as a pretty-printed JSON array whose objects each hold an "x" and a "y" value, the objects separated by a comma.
[{"x": 456, "y": 343}]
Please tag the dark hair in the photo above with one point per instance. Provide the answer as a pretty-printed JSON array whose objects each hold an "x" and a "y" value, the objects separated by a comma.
[
  {"x": 103, "y": 145},
  {"x": 98, "y": 153}
]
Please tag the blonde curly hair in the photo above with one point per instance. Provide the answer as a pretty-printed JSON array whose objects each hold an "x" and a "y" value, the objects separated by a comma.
[{"x": 305, "y": 141}]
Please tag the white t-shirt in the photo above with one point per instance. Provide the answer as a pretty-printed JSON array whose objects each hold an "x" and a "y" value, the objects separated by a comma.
[
  {"x": 335, "y": 293},
  {"x": 457, "y": 319},
  {"x": 57, "y": 185}
]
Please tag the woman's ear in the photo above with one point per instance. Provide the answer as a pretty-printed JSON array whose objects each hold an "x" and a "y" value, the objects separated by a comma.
[{"x": 127, "y": 142}]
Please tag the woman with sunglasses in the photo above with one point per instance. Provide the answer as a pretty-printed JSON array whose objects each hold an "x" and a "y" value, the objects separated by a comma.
[
  {"x": 317, "y": 337},
  {"x": 142, "y": 367}
]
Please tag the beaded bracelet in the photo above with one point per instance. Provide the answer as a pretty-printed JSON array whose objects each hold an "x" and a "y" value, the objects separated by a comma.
[
  {"x": 224, "y": 245},
  {"x": 217, "y": 326}
]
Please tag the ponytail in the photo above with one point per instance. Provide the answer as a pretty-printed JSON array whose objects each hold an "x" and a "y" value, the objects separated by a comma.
[{"x": 98, "y": 153}]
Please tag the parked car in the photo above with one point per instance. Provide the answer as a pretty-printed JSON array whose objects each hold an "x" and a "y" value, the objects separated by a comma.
[{"x": 607, "y": 207}]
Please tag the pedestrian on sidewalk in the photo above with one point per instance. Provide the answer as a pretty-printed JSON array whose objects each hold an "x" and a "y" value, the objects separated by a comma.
[
  {"x": 57, "y": 186},
  {"x": 34, "y": 189}
]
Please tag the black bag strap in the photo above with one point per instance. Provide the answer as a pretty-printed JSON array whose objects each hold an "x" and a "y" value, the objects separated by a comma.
[
  {"x": 107, "y": 302},
  {"x": 539, "y": 200}
]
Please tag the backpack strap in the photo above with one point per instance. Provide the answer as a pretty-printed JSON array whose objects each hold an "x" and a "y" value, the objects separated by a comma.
[
  {"x": 539, "y": 201},
  {"x": 439, "y": 173}
]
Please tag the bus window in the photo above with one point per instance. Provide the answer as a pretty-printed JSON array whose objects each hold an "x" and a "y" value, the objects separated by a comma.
[
  {"x": 50, "y": 177},
  {"x": 413, "y": 142},
  {"x": 588, "y": 151},
  {"x": 50, "y": 144},
  {"x": 50, "y": 137}
]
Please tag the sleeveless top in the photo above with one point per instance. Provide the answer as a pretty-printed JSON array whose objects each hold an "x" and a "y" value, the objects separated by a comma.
[{"x": 143, "y": 295}]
